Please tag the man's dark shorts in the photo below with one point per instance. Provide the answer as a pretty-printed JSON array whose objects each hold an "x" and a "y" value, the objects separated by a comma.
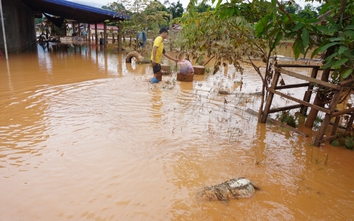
[{"x": 156, "y": 68}]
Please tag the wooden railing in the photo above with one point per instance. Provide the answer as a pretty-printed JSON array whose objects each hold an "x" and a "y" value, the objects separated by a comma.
[{"x": 303, "y": 104}]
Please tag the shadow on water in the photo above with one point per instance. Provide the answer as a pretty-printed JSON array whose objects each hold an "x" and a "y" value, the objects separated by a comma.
[{"x": 84, "y": 135}]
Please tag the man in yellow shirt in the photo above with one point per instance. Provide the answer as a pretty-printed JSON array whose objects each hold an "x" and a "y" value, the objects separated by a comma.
[{"x": 156, "y": 55}]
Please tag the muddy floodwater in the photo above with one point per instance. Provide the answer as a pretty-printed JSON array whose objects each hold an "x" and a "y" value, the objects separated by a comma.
[{"x": 85, "y": 136}]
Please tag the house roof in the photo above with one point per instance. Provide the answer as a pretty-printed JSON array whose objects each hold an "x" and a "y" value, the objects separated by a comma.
[
  {"x": 75, "y": 11},
  {"x": 176, "y": 27}
]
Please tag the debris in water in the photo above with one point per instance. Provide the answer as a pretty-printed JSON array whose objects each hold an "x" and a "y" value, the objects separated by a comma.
[{"x": 232, "y": 189}]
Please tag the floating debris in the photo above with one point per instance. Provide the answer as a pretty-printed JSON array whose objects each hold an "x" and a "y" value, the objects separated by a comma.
[
  {"x": 232, "y": 189},
  {"x": 223, "y": 92}
]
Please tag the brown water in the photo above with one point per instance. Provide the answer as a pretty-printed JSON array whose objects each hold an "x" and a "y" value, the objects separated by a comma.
[{"x": 85, "y": 136}]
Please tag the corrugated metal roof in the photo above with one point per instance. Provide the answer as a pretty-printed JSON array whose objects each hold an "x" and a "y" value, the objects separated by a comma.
[{"x": 75, "y": 11}]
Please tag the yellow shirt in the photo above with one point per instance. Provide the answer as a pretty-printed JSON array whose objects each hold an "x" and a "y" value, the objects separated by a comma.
[{"x": 158, "y": 42}]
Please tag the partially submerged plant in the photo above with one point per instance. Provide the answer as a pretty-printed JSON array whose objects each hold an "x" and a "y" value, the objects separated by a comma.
[
  {"x": 290, "y": 119},
  {"x": 344, "y": 140},
  {"x": 317, "y": 159}
]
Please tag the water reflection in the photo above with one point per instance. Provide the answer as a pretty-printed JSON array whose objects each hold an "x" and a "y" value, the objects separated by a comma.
[
  {"x": 83, "y": 135},
  {"x": 156, "y": 103},
  {"x": 45, "y": 62}
]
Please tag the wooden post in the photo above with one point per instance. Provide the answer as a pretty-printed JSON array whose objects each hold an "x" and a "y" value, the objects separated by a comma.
[
  {"x": 270, "y": 97},
  {"x": 313, "y": 112},
  {"x": 89, "y": 33},
  {"x": 73, "y": 27},
  {"x": 327, "y": 118},
  {"x": 119, "y": 37},
  {"x": 335, "y": 125},
  {"x": 308, "y": 93},
  {"x": 96, "y": 35},
  {"x": 350, "y": 122},
  {"x": 3, "y": 31},
  {"x": 105, "y": 35}
]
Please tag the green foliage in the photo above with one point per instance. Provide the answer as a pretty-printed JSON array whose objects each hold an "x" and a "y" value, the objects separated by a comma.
[
  {"x": 335, "y": 142},
  {"x": 286, "y": 117},
  {"x": 340, "y": 37},
  {"x": 317, "y": 122},
  {"x": 155, "y": 15},
  {"x": 333, "y": 34},
  {"x": 203, "y": 7},
  {"x": 206, "y": 34},
  {"x": 317, "y": 158},
  {"x": 276, "y": 26},
  {"x": 115, "y": 6},
  {"x": 346, "y": 141},
  {"x": 251, "y": 11},
  {"x": 176, "y": 9},
  {"x": 145, "y": 15},
  {"x": 308, "y": 12},
  {"x": 292, "y": 8},
  {"x": 38, "y": 20}
]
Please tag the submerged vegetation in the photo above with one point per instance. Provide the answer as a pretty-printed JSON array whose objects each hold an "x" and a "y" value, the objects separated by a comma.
[
  {"x": 344, "y": 140},
  {"x": 286, "y": 117}
]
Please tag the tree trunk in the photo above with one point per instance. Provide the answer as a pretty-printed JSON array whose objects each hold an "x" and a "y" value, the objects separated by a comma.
[{"x": 119, "y": 37}]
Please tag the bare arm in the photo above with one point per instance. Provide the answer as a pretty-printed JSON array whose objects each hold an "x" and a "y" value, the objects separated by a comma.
[
  {"x": 154, "y": 55},
  {"x": 170, "y": 57}
]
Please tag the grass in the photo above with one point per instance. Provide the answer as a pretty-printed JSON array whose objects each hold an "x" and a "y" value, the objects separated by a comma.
[{"x": 318, "y": 159}]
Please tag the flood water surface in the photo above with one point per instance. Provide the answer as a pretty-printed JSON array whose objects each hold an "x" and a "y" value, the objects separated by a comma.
[{"x": 85, "y": 136}]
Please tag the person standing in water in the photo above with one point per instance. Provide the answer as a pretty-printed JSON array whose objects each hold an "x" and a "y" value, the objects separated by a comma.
[
  {"x": 156, "y": 55},
  {"x": 142, "y": 39}
]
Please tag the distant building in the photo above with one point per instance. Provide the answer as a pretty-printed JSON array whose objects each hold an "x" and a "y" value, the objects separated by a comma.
[
  {"x": 176, "y": 28},
  {"x": 19, "y": 29}
]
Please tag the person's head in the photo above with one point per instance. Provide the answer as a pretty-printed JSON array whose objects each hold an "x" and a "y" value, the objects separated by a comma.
[{"x": 163, "y": 33}]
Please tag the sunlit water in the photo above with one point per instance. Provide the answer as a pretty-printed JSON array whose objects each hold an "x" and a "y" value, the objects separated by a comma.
[{"x": 85, "y": 136}]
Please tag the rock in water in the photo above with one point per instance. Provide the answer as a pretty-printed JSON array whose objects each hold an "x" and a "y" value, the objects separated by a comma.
[{"x": 232, "y": 189}]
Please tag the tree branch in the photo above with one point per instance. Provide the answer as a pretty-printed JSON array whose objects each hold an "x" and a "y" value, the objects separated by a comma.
[{"x": 281, "y": 8}]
